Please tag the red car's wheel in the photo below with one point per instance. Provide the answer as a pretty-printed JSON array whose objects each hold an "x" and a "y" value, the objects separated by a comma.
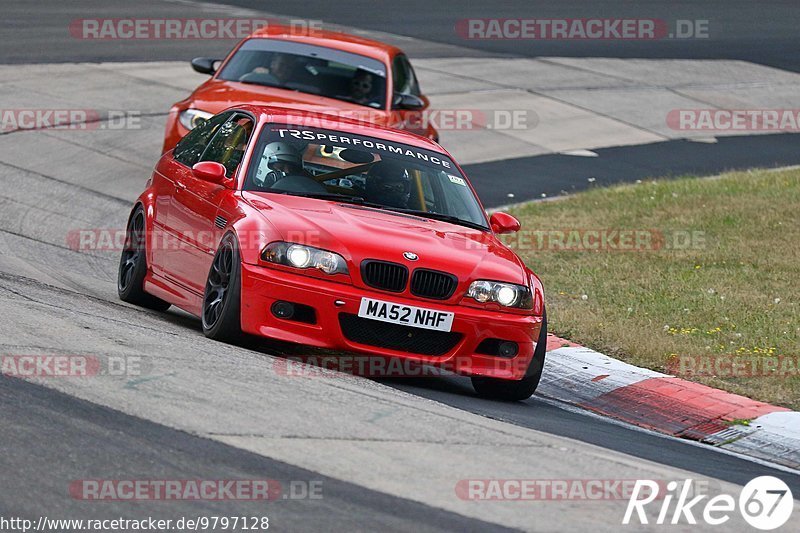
[
  {"x": 514, "y": 391},
  {"x": 222, "y": 299},
  {"x": 133, "y": 266}
]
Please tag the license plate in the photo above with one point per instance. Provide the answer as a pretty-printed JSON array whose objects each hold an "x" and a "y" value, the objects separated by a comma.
[{"x": 406, "y": 315}]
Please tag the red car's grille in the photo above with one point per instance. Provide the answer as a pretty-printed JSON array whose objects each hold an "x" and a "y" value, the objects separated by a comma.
[
  {"x": 393, "y": 277},
  {"x": 397, "y": 337},
  {"x": 433, "y": 284},
  {"x": 384, "y": 275}
]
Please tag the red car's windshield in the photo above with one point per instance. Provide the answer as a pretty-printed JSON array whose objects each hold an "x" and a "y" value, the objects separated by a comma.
[
  {"x": 333, "y": 165},
  {"x": 309, "y": 69}
]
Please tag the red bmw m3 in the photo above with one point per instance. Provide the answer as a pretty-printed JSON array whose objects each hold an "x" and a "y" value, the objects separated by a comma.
[
  {"x": 335, "y": 234},
  {"x": 320, "y": 70}
]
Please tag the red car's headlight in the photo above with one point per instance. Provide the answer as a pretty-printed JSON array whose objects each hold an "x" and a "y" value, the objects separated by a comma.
[
  {"x": 505, "y": 294},
  {"x": 302, "y": 256},
  {"x": 193, "y": 117}
]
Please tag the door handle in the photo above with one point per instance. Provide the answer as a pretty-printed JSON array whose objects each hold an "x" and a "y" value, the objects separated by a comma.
[{"x": 180, "y": 186}]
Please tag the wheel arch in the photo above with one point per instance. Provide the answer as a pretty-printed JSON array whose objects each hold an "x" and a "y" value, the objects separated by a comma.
[
  {"x": 253, "y": 232},
  {"x": 147, "y": 207}
]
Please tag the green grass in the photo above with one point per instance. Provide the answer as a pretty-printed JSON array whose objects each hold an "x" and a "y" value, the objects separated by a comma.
[{"x": 734, "y": 291}]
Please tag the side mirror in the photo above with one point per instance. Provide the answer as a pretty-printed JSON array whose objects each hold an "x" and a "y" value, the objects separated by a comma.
[
  {"x": 204, "y": 65},
  {"x": 504, "y": 223},
  {"x": 408, "y": 101},
  {"x": 210, "y": 171}
]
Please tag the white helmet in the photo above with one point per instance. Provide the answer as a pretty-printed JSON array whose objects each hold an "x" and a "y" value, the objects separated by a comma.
[
  {"x": 281, "y": 152},
  {"x": 274, "y": 153}
]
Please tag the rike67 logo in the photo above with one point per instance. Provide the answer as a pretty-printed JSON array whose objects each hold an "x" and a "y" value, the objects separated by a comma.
[{"x": 765, "y": 503}]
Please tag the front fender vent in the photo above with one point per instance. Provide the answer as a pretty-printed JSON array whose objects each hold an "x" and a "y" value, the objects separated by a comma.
[{"x": 220, "y": 222}]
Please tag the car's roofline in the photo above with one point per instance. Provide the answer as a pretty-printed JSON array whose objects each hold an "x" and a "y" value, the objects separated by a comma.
[
  {"x": 284, "y": 115},
  {"x": 329, "y": 39}
]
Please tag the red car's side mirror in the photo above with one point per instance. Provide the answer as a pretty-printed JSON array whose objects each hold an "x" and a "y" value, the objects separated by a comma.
[
  {"x": 205, "y": 65},
  {"x": 408, "y": 102},
  {"x": 504, "y": 223},
  {"x": 209, "y": 171}
]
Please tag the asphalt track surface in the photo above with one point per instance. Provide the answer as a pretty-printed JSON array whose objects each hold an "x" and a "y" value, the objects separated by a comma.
[
  {"x": 71, "y": 438},
  {"x": 49, "y": 438},
  {"x": 558, "y": 174},
  {"x": 551, "y": 417},
  {"x": 761, "y": 32}
]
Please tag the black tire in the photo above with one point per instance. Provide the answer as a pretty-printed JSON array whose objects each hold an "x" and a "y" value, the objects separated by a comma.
[
  {"x": 222, "y": 300},
  {"x": 515, "y": 391},
  {"x": 133, "y": 266}
]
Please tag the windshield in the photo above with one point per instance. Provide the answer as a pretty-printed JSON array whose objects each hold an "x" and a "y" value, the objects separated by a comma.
[
  {"x": 309, "y": 69},
  {"x": 350, "y": 168}
]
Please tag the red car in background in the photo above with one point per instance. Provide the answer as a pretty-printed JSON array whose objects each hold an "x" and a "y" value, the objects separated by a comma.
[
  {"x": 349, "y": 237},
  {"x": 316, "y": 70}
]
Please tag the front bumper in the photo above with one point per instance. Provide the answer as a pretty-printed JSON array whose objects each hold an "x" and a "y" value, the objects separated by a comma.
[{"x": 262, "y": 287}]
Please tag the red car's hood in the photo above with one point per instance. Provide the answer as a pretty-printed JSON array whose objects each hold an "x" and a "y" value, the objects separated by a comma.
[
  {"x": 360, "y": 233},
  {"x": 217, "y": 95}
]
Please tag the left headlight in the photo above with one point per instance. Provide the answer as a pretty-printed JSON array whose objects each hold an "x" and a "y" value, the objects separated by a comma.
[
  {"x": 505, "y": 294},
  {"x": 302, "y": 256},
  {"x": 191, "y": 118}
]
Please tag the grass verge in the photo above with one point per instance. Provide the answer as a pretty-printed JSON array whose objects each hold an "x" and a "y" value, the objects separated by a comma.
[{"x": 701, "y": 278}]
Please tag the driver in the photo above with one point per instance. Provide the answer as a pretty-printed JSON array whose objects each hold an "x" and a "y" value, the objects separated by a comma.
[
  {"x": 361, "y": 87},
  {"x": 281, "y": 67},
  {"x": 388, "y": 184},
  {"x": 279, "y": 160}
]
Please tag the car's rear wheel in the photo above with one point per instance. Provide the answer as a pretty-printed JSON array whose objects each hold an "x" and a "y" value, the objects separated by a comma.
[
  {"x": 514, "y": 391},
  {"x": 222, "y": 301},
  {"x": 133, "y": 266}
]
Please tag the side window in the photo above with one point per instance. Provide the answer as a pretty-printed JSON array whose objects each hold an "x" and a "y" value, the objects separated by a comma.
[
  {"x": 228, "y": 145},
  {"x": 413, "y": 85},
  {"x": 405, "y": 81},
  {"x": 191, "y": 147}
]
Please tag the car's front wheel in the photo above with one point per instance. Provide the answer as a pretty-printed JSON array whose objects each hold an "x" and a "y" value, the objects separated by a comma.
[
  {"x": 514, "y": 391},
  {"x": 222, "y": 301},
  {"x": 133, "y": 266}
]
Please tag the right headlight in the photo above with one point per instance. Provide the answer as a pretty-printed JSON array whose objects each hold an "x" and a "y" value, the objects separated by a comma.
[
  {"x": 505, "y": 294},
  {"x": 191, "y": 118},
  {"x": 302, "y": 256}
]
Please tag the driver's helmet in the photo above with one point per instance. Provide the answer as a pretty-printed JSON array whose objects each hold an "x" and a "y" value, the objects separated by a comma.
[
  {"x": 361, "y": 85},
  {"x": 279, "y": 160},
  {"x": 388, "y": 184},
  {"x": 281, "y": 155}
]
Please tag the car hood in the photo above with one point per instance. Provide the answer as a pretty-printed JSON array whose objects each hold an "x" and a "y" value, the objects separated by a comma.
[
  {"x": 217, "y": 95},
  {"x": 359, "y": 233}
]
